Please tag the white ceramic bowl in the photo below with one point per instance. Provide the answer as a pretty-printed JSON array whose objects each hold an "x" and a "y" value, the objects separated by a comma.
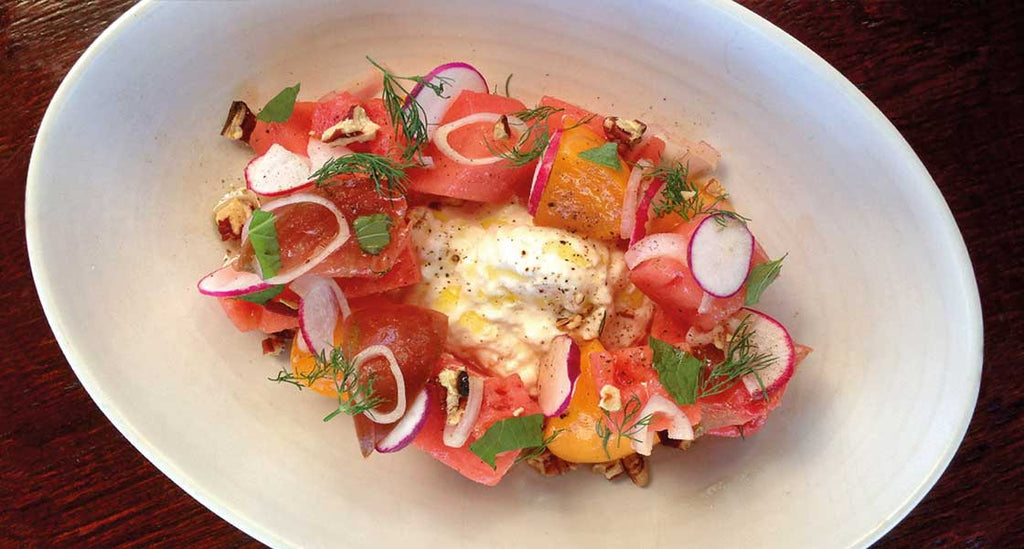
[{"x": 128, "y": 163}]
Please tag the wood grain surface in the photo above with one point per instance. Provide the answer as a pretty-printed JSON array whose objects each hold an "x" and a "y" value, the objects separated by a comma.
[{"x": 948, "y": 74}]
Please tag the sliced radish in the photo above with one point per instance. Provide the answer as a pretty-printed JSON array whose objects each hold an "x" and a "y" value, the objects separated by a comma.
[
  {"x": 557, "y": 375},
  {"x": 277, "y": 172},
  {"x": 320, "y": 153},
  {"x": 629, "y": 203},
  {"x": 409, "y": 426},
  {"x": 318, "y": 312},
  {"x": 643, "y": 211},
  {"x": 680, "y": 427},
  {"x": 332, "y": 246},
  {"x": 228, "y": 282},
  {"x": 719, "y": 254},
  {"x": 543, "y": 171},
  {"x": 454, "y": 77},
  {"x": 656, "y": 245},
  {"x": 445, "y": 148},
  {"x": 768, "y": 336},
  {"x": 380, "y": 351},
  {"x": 455, "y": 436}
]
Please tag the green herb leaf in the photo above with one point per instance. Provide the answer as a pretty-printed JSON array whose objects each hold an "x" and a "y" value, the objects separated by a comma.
[
  {"x": 760, "y": 277},
  {"x": 513, "y": 433},
  {"x": 372, "y": 232},
  {"x": 741, "y": 359},
  {"x": 678, "y": 371},
  {"x": 263, "y": 296},
  {"x": 606, "y": 155},
  {"x": 405, "y": 112},
  {"x": 355, "y": 391},
  {"x": 388, "y": 175},
  {"x": 263, "y": 237},
  {"x": 279, "y": 109}
]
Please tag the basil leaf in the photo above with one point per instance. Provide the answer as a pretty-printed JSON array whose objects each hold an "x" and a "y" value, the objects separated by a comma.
[
  {"x": 678, "y": 371},
  {"x": 263, "y": 296},
  {"x": 606, "y": 155},
  {"x": 372, "y": 232},
  {"x": 513, "y": 433},
  {"x": 279, "y": 109},
  {"x": 760, "y": 277},
  {"x": 263, "y": 237}
]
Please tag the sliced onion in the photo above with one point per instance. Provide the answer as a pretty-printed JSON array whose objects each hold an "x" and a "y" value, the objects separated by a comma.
[
  {"x": 445, "y": 148},
  {"x": 629, "y": 203},
  {"x": 455, "y": 77},
  {"x": 556, "y": 376},
  {"x": 656, "y": 245},
  {"x": 277, "y": 172},
  {"x": 679, "y": 429},
  {"x": 643, "y": 211},
  {"x": 337, "y": 242},
  {"x": 409, "y": 426},
  {"x": 542, "y": 173},
  {"x": 456, "y": 435},
  {"x": 719, "y": 255},
  {"x": 228, "y": 282},
  {"x": 375, "y": 351}
]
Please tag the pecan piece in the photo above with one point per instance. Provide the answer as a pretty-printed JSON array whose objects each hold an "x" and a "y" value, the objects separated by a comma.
[
  {"x": 355, "y": 128},
  {"x": 233, "y": 210},
  {"x": 611, "y": 470},
  {"x": 502, "y": 129},
  {"x": 636, "y": 468},
  {"x": 627, "y": 133},
  {"x": 277, "y": 342},
  {"x": 240, "y": 122},
  {"x": 550, "y": 465}
]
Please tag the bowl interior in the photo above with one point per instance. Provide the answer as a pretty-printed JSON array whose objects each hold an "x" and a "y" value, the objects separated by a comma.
[{"x": 877, "y": 278}]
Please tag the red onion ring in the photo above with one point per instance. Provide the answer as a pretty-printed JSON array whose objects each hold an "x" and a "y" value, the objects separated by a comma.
[
  {"x": 656, "y": 245},
  {"x": 679, "y": 429},
  {"x": 445, "y": 148},
  {"x": 376, "y": 351},
  {"x": 629, "y": 203}
]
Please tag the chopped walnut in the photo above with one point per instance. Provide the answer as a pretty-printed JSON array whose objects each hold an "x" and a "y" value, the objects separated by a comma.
[
  {"x": 636, "y": 468},
  {"x": 355, "y": 128},
  {"x": 610, "y": 469},
  {"x": 233, "y": 211},
  {"x": 569, "y": 323},
  {"x": 240, "y": 122},
  {"x": 550, "y": 465},
  {"x": 627, "y": 133},
  {"x": 449, "y": 379},
  {"x": 502, "y": 129},
  {"x": 276, "y": 343},
  {"x": 611, "y": 399}
]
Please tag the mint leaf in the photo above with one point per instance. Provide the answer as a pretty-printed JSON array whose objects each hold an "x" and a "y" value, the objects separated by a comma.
[
  {"x": 606, "y": 155},
  {"x": 279, "y": 109},
  {"x": 760, "y": 277},
  {"x": 263, "y": 237},
  {"x": 678, "y": 371},
  {"x": 263, "y": 296},
  {"x": 513, "y": 433},
  {"x": 372, "y": 232}
]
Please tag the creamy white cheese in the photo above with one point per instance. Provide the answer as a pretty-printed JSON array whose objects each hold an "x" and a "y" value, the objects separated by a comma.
[{"x": 508, "y": 286}]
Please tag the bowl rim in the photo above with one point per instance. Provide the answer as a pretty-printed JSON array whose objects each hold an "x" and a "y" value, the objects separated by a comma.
[{"x": 973, "y": 338}]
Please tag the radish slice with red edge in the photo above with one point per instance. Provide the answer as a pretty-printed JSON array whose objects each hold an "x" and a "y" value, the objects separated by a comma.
[
  {"x": 380, "y": 351},
  {"x": 557, "y": 375},
  {"x": 680, "y": 427},
  {"x": 409, "y": 426},
  {"x": 229, "y": 282},
  {"x": 643, "y": 211},
  {"x": 456, "y": 435},
  {"x": 543, "y": 172},
  {"x": 656, "y": 245},
  {"x": 277, "y": 172},
  {"x": 767, "y": 336},
  {"x": 320, "y": 153},
  {"x": 454, "y": 77},
  {"x": 332, "y": 246},
  {"x": 719, "y": 254},
  {"x": 445, "y": 148},
  {"x": 318, "y": 312},
  {"x": 629, "y": 202}
]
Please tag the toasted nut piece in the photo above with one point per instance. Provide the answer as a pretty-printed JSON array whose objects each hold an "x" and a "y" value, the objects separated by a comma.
[
  {"x": 550, "y": 465},
  {"x": 569, "y": 323},
  {"x": 240, "y": 122},
  {"x": 611, "y": 399},
  {"x": 276, "y": 343},
  {"x": 502, "y": 129},
  {"x": 627, "y": 133},
  {"x": 636, "y": 468},
  {"x": 449, "y": 379},
  {"x": 610, "y": 469},
  {"x": 672, "y": 443},
  {"x": 355, "y": 128},
  {"x": 233, "y": 210}
]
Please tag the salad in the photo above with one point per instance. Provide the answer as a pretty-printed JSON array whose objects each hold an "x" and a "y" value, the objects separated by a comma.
[{"x": 492, "y": 282}]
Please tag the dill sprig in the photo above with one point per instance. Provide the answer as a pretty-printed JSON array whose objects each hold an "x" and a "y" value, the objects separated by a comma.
[
  {"x": 355, "y": 391},
  {"x": 406, "y": 114},
  {"x": 682, "y": 196},
  {"x": 740, "y": 360},
  {"x": 388, "y": 175},
  {"x": 626, "y": 428}
]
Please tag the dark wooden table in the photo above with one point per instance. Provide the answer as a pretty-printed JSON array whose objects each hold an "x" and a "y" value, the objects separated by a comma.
[{"x": 948, "y": 74}]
